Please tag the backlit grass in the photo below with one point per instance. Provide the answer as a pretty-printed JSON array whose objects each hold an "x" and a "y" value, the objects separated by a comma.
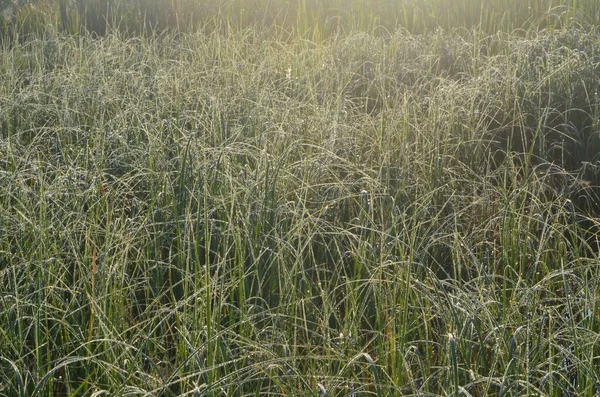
[{"x": 241, "y": 211}]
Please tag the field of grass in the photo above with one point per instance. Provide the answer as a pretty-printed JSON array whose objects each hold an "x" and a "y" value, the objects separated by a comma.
[{"x": 277, "y": 207}]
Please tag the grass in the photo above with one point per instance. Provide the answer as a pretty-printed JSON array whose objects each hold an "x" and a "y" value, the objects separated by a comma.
[
  {"x": 312, "y": 19},
  {"x": 238, "y": 211}
]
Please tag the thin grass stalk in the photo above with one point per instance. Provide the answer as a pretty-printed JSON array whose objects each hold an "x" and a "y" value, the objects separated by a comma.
[{"x": 453, "y": 363}]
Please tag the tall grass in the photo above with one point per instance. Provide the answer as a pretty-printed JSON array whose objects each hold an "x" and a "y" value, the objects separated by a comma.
[
  {"x": 313, "y": 19},
  {"x": 238, "y": 211}
]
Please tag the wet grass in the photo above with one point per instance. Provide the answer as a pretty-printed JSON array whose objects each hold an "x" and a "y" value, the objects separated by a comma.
[{"x": 237, "y": 212}]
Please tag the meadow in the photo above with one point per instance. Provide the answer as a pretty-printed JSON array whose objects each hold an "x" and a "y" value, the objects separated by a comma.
[{"x": 335, "y": 198}]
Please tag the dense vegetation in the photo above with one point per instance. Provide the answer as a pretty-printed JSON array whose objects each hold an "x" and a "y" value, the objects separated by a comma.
[
  {"x": 315, "y": 19},
  {"x": 256, "y": 200}
]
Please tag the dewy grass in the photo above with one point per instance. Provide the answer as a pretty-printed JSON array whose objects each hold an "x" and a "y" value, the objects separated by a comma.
[{"x": 249, "y": 212}]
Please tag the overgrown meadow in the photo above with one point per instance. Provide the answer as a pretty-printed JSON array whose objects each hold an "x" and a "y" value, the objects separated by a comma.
[{"x": 264, "y": 203}]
